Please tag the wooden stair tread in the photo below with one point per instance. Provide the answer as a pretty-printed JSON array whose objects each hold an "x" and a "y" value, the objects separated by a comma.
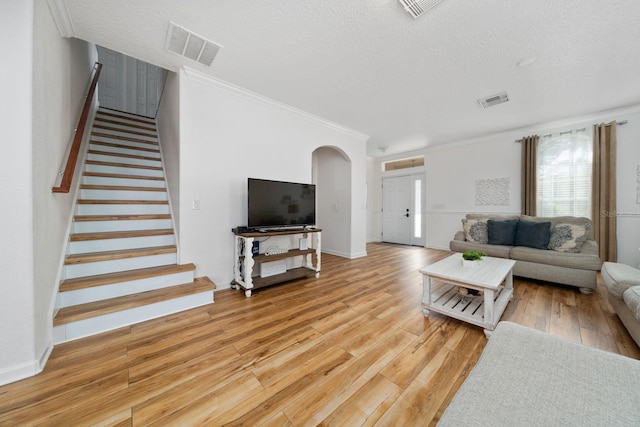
[
  {"x": 139, "y": 119},
  {"x": 121, "y": 202},
  {"x": 132, "y": 132},
  {"x": 120, "y": 217},
  {"x": 121, "y": 123},
  {"x": 125, "y": 146},
  {"x": 123, "y": 276},
  {"x": 123, "y": 176},
  {"x": 112, "y": 305},
  {"x": 124, "y": 138},
  {"x": 121, "y": 188},
  {"x": 118, "y": 254},
  {"x": 127, "y": 156},
  {"x": 122, "y": 165},
  {"x": 83, "y": 237}
]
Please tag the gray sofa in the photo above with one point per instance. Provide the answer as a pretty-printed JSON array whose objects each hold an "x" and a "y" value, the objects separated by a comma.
[
  {"x": 525, "y": 377},
  {"x": 557, "y": 262},
  {"x": 623, "y": 293}
]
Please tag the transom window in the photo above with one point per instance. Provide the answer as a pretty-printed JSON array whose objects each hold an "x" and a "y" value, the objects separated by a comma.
[{"x": 564, "y": 175}]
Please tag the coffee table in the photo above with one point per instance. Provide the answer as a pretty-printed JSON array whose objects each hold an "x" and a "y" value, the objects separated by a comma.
[{"x": 492, "y": 276}]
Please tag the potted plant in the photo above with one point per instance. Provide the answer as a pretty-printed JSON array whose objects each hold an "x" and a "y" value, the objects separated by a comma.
[{"x": 470, "y": 258}]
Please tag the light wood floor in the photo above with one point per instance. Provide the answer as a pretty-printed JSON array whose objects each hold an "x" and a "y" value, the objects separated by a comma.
[{"x": 351, "y": 348}]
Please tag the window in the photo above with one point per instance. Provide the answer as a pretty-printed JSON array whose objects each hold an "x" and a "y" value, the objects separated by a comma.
[
  {"x": 413, "y": 162},
  {"x": 564, "y": 175}
]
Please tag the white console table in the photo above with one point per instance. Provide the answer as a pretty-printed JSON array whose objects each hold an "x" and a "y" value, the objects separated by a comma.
[{"x": 245, "y": 261}]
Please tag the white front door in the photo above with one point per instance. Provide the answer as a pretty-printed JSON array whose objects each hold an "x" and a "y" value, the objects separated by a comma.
[{"x": 397, "y": 210}]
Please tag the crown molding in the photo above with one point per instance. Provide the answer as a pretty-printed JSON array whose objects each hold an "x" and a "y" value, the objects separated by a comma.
[
  {"x": 61, "y": 17},
  {"x": 214, "y": 82}
]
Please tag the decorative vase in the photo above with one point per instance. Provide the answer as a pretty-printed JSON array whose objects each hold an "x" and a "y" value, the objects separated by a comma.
[{"x": 469, "y": 263}]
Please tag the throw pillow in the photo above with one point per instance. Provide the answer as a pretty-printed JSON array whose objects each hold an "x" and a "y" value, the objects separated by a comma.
[
  {"x": 475, "y": 230},
  {"x": 568, "y": 237},
  {"x": 502, "y": 232},
  {"x": 533, "y": 234}
]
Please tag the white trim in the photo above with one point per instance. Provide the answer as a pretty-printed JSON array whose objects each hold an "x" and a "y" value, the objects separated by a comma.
[
  {"x": 344, "y": 255},
  {"x": 44, "y": 354},
  {"x": 19, "y": 372},
  {"x": 84, "y": 147},
  {"x": 61, "y": 17},
  {"x": 211, "y": 81}
]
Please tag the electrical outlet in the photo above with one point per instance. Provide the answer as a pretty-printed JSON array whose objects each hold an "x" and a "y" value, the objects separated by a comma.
[{"x": 195, "y": 205}]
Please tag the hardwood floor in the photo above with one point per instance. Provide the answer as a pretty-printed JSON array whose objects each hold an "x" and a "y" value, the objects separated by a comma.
[{"x": 350, "y": 348}]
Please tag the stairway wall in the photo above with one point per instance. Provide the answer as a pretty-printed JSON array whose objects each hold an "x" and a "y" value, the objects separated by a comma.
[{"x": 43, "y": 84}]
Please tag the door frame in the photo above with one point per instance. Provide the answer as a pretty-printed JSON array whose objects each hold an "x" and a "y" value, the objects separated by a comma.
[{"x": 419, "y": 240}]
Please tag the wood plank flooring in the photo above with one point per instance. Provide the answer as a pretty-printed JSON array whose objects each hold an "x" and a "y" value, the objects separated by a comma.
[{"x": 351, "y": 348}]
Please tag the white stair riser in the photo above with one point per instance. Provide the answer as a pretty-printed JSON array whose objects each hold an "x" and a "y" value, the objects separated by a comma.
[
  {"x": 122, "y": 195},
  {"x": 123, "y": 170},
  {"x": 102, "y": 267},
  {"x": 125, "y": 160},
  {"x": 124, "y": 209},
  {"x": 122, "y": 115},
  {"x": 90, "y": 246},
  {"x": 102, "y": 180},
  {"x": 130, "y": 144},
  {"x": 111, "y": 321},
  {"x": 125, "y": 128},
  {"x": 128, "y": 130},
  {"x": 121, "y": 225},
  {"x": 113, "y": 290},
  {"x": 125, "y": 134},
  {"x": 121, "y": 150}
]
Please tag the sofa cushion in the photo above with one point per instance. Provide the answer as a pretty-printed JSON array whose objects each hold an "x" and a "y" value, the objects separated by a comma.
[
  {"x": 631, "y": 297},
  {"x": 498, "y": 251},
  {"x": 502, "y": 232},
  {"x": 619, "y": 277},
  {"x": 555, "y": 220},
  {"x": 560, "y": 259},
  {"x": 475, "y": 230},
  {"x": 566, "y": 237},
  {"x": 533, "y": 234}
]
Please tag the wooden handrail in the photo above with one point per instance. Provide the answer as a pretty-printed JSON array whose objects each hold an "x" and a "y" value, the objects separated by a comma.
[{"x": 74, "y": 152}]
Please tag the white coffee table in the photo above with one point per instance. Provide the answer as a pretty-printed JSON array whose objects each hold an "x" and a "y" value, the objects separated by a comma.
[{"x": 492, "y": 276}]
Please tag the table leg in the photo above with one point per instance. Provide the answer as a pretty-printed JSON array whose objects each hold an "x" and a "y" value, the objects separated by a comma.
[
  {"x": 488, "y": 307},
  {"x": 426, "y": 295}
]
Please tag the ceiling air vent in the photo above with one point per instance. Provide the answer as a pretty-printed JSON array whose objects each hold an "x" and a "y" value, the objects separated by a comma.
[
  {"x": 190, "y": 45},
  {"x": 418, "y": 7},
  {"x": 492, "y": 100}
]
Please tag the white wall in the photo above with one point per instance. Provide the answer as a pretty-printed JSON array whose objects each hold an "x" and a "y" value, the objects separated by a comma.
[
  {"x": 62, "y": 69},
  {"x": 17, "y": 350},
  {"x": 452, "y": 171},
  {"x": 46, "y": 98},
  {"x": 168, "y": 120},
  {"x": 228, "y": 135}
]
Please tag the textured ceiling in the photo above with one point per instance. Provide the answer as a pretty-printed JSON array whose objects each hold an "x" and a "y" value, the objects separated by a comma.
[{"x": 407, "y": 83}]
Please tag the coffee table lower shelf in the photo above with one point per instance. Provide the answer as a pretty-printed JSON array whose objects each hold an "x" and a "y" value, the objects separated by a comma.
[{"x": 446, "y": 300}]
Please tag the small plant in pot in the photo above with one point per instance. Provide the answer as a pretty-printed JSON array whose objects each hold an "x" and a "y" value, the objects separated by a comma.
[{"x": 470, "y": 258}]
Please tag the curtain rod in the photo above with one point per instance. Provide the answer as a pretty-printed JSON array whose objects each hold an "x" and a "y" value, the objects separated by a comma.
[{"x": 623, "y": 122}]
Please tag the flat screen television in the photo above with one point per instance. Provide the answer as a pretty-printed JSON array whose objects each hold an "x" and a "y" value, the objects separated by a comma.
[{"x": 279, "y": 204}]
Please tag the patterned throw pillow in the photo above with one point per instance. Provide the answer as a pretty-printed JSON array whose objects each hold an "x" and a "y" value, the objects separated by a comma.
[
  {"x": 568, "y": 237},
  {"x": 475, "y": 230}
]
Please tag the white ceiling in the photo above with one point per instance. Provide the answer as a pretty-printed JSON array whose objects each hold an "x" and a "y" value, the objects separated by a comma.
[{"x": 407, "y": 83}]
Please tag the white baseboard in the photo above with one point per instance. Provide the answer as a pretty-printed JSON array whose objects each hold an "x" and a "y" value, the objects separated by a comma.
[
  {"x": 27, "y": 369},
  {"x": 19, "y": 372},
  {"x": 344, "y": 254}
]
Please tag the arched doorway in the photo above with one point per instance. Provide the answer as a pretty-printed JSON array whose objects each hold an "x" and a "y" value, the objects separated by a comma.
[{"x": 332, "y": 176}]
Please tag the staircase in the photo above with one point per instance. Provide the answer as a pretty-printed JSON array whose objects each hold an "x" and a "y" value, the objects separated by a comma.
[{"x": 121, "y": 264}]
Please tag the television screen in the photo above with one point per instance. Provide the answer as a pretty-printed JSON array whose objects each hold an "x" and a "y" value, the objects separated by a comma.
[{"x": 280, "y": 204}]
